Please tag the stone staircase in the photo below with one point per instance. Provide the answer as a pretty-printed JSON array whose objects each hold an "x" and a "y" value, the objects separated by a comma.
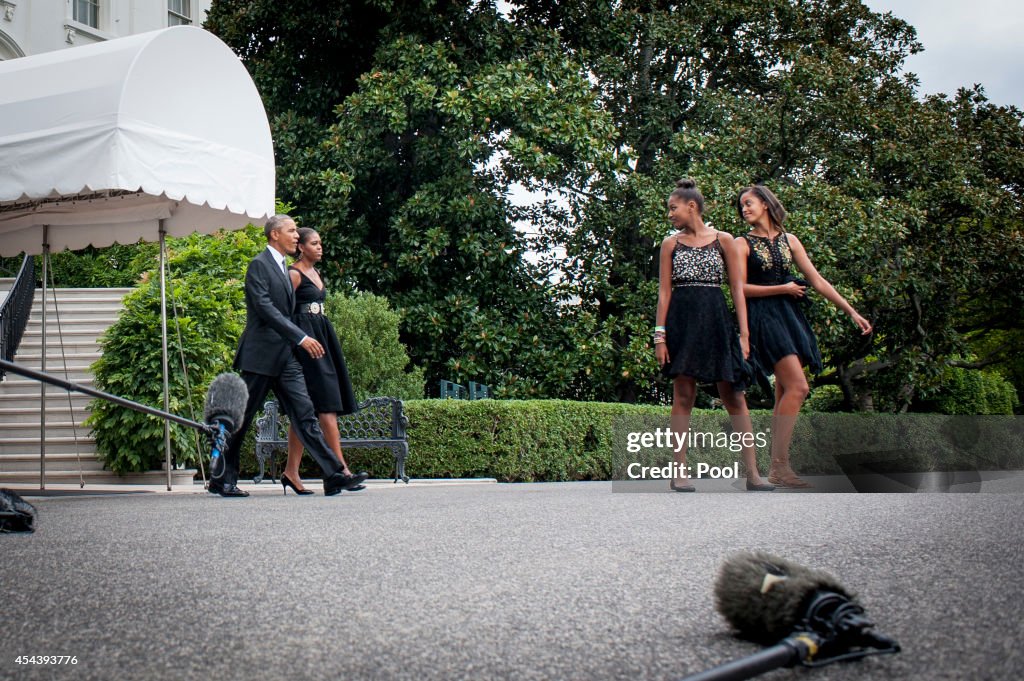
[{"x": 72, "y": 346}]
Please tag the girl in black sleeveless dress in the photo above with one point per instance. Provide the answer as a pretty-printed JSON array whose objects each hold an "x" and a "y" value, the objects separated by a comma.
[
  {"x": 695, "y": 337},
  {"x": 326, "y": 377},
  {"x": 781, "y": 340}
]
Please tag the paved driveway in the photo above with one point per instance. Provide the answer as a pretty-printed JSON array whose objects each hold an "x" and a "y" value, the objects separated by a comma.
[{"x": 487, "y": 581}]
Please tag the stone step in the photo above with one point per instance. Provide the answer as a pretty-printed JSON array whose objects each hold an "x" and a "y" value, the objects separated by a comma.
[
  {"x": 70, "y": 361},
  {"x": 54, "y": 445},
  {"x": 111, "y": 302},
  {"x": 80, "y": 295},
  {"x": 62, "y": 316},
  {"x": 70, "y": 372},
  {"x": 61, "y": 295},
  {"x": 17, "y": 463},
  {"x": 56, "y": 399},
  {"x": 55, "y": 412},
  {"x": 74, "y": 374},
  {"x": 73, "y": 294},
  {"x": 68, "y": 323},
  {"x": 56, "y": 356},
  {"x": 16, "y": 385},
  {"x": 69, "y": 477},
  {"x": 72, "y": 336},
  {"x": 76, "y": 343},
  {"x": 58, "y": 426}
]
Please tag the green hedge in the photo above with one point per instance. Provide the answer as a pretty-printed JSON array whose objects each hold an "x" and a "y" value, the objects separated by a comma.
[
  {"x": 524, "y": 440},
  {"x": 554, "y": 440},
  {"x": 513, "y": 440}
]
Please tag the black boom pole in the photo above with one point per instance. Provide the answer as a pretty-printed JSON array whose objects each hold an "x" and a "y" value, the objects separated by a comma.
[{"x": 68, "y": 385}]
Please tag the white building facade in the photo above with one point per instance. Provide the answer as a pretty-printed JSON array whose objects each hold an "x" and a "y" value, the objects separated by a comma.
[{"x": 34, "y": 26}]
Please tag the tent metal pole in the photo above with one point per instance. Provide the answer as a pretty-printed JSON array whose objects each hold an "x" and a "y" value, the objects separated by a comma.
[
  {"x": 42, "y": 386},
  {"x": 163, "y": 347}
]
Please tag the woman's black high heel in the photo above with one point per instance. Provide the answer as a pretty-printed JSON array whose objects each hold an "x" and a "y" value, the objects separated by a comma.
[{"x": 286, "y": 483}]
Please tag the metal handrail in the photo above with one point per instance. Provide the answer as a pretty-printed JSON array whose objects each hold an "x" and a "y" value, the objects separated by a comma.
[{"x": 15, "y": 310}]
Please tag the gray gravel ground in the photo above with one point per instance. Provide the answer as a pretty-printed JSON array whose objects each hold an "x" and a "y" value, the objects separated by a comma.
[{"x": 529, "y": 581}]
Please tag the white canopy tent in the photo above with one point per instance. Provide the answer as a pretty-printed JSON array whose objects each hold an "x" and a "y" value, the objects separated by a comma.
[{"x": 135, "y": 138}]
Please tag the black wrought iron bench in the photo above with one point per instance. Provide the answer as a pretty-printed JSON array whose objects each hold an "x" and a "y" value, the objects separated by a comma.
[{"x": 377, "y": 422}]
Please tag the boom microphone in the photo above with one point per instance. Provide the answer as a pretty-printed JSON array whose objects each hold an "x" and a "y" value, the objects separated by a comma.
[
  {"x": 764, "y": 597},
  {"x": 224, "y": 412},
  {"x": 807, "y": 614},
  {"x": 225, "y": 401}
]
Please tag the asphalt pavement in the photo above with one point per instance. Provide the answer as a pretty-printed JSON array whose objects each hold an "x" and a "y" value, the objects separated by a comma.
[{"x": 491, "y": 581}]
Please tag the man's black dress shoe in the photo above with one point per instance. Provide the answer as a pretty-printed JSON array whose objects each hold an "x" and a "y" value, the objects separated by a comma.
[
  {"x": 360, "y": 486},
  {"x": 339, "y": 481},
  {"x": 226, "y": 490}
]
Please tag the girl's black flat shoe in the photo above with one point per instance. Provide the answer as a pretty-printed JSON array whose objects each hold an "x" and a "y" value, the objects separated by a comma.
[
  {"x": 681, "y": 488},
  {"x": 763, "y": 487}
]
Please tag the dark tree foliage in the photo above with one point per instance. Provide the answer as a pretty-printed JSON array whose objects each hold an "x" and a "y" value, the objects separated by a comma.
[
  {"x": 410, "y": 190},
  {"x": 306, "y": 55}
]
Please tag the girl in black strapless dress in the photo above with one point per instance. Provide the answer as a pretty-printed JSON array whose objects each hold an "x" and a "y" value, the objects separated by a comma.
[
  {"x": 327, "y": 378},
  {"x": 695, "y": 338},
  {"x": 781, "y": 340}
]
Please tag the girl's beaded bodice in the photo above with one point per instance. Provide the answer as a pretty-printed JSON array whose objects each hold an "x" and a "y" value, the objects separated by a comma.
[
  {"x": 769, "y": 260},
  {"x": 698, "y": 266}
]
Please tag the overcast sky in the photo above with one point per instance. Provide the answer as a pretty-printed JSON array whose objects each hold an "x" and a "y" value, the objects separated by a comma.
[{"x": 966, "y": 42}]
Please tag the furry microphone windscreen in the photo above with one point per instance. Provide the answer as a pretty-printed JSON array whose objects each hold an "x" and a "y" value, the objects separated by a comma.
[
  {"x": 225, "y": 401},
  {"x": 764, "y": 597},
  {"x": 16, "y": 514}
]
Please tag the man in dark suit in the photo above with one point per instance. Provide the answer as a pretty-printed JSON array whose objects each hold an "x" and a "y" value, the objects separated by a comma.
[{"x": 266, "y": 360}]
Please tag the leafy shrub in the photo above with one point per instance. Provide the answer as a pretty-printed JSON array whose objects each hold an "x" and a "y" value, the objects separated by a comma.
[
  {"x": 368, "y": 330},
  {"x": 117, "y": 266},
  {"x": 824, "y": 398},
  {"x": 973, "y": 391}
]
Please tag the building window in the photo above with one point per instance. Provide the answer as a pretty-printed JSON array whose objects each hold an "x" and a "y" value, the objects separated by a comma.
[
  {"x": 179, "y": 12},
  {"x": 86, "y": 12}
]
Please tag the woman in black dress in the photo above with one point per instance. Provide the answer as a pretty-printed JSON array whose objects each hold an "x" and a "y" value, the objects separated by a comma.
[
  {"x": 781, "y": 339},
  {"x": 695, "y": 338},
  {"x": 327, "y": 378}
]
